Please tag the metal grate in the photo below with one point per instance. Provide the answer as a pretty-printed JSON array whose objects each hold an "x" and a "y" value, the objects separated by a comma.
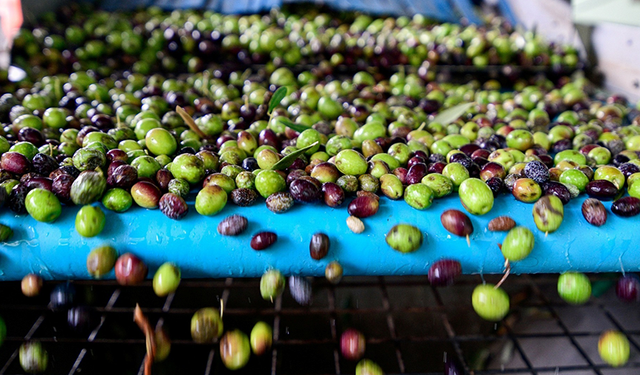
[{"x": 410, "y": 327}]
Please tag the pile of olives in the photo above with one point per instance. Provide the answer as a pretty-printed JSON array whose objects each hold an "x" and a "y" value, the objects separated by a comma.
[
  {"x": 89, "y": 131},
  {"x": 78, "y": 37}
]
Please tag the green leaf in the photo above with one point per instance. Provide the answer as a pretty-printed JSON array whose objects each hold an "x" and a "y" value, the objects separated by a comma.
[
  {"x": 450, "y": 115},
  {"x": 277, "y": 98},
  {"x": 286, "y": 161},
  {"x": 289, "y": 124}
]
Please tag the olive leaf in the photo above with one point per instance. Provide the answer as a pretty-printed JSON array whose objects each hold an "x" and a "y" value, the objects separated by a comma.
[
  {"x": 297, "y": 127},
  {"x": 450, "y": 115},
  {"x": 286, "y": 161},
  {"x": 189, "y": 121},
  {"x": 277, "y": 98}
]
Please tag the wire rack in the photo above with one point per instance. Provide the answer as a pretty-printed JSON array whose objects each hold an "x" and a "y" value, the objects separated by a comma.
[{"x": 410, "y": 327}]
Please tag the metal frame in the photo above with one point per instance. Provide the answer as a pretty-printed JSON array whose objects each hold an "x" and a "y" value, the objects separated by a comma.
[{"x": 298, "y": 331}]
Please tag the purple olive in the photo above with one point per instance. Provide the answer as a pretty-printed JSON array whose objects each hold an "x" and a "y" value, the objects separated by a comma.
[
  {"x": 61, "y": 187},
  {"x": 263, "y": 240},
  {"x": 333, "y": 194},
  {"x": 319, "y": 246},
  {"x": 39, "y": 182},
  {"x": 444, "y": 272},
  {"x": 401, "y": 173},
  {"x": 416, "y": 173},
  {"x": 117, "y": 154},
  {"x": 15, "y": 162},
  {"x": 363, "y": 206},
  {"x": 602, "y": 189},
  {"x": 44, "y": 164},
  {"x": 163, "y": 177},
  {"x": 627, "y": 288},
  {"x": 304, "y": 190},
  {"x": 557, "y": 189},
  {"x": 457, "y": 222},
  {"x": 124, "y": 176},
  {"x": 233, "y": 225},
  {"x": 594, "y": 212},
  {"x": 173, "y": 206},
  {"x": 626, "y": 207},
  {"x": 492, "y": 169}
]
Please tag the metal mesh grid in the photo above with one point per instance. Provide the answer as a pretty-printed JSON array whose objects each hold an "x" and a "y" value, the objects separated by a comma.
[{"x": 409, "y": 327}]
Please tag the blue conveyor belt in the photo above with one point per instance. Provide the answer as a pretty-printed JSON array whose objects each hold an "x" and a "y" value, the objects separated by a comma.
[{"x": 56, "y": 251}]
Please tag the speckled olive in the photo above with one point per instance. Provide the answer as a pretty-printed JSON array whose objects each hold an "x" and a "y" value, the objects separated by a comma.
[
  {"x": 333, "y": 194},
  {"x": 188, "y": 167},
  {"x": 88, "y": 187},
  {"x": 173, "y": 206},
  {"x": 404, "y": 238},
  {"x": 440, "y": 184},
  {"x": 526, "y": 190}
]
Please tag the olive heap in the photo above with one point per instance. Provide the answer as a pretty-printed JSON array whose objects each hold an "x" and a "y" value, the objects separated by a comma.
[
  {"x": 94, "y": 136},
  {"x": 79, "y": 37}
]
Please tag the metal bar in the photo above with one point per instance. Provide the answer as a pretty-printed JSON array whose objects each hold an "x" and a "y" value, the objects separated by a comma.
[
  {"x": 390, "y": 323},
  {"x": 332, "y": 322}
]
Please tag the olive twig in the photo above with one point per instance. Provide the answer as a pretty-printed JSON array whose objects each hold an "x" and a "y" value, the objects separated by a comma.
[
  {"x": 507, "y": 271},
  {"x": 143, "y": 323},
  {"x": 189, "y": 121},
  {"x": 221, "y": 308},
  {"x": 468, "y": 241}
]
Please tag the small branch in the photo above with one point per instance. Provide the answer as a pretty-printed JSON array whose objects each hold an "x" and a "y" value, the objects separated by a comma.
[
  {"x": 143, "y": 323},
  {"x": 507, "y": 271}
]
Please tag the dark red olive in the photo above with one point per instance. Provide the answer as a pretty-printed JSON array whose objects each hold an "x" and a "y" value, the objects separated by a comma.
[
  {"x": 602, "y": 189},
  {"x": 305, "y": 191},
  {"x": 352, "y": 344},
  {"x": 401, "y": 173},
  {"x": 437, "y": 167},
  {"x": 492, "y": 169},
  {"x": 163, "y": 177},
  {"x": 416, "y": 160},
  {"x": 363, "y": 206},
  {"x": 233, "y": 225},
  {"x": 173, "y": 206},
  {"x": 319, "y": 246},
  {"x": 130, "y": 270},
  {"x": 333, "y": 194},
  {"x": 456, "y": 222},
  {"x": 15, "y": 162},
  {"x": 416, "y": 173},
  {"x": 263, "y": 240},
  {"x": 594, "y": 212},
  {"x": 39, "y": 183},
  {"x": 44, "y": 164},
  {"x": 469, "y": 149},
  {"x": 626, "y": 207},
  {"x": 117, "y": 154},
  {"x": 444, "y": 272},
  {"x": 124, "y": 176},
  {"x": 481, "y": 153},
  {"x": 61, "y": 187},
  {"x": 627, "y": 288},
  {"x": 557, "y": 189}
]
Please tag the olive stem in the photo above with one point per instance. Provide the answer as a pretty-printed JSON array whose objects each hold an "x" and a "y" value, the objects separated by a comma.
[
  {"x": 546, "y": 234},
  {"x": 507, "y": 271},
  {"x": 189, "y": 121},
  {"x": 468, "y": 241},
  {"x": 143, "y": 323},
  {"x": 221, "y": 308},
  {"x": 421, "y": 126}
]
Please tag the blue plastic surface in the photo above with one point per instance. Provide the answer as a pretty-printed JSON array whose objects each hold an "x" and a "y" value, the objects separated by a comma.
[{"x": 56, "y": 251}]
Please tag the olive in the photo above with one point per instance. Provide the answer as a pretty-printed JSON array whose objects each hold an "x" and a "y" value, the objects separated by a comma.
[
  {"x": 457, "y": 223},
  {"x": 319, "y": 246},
  {"x": 261, "y": 338},
  {"x": 206, "y": 325},
  {"x": 31, "y": 285},
  {"x": 271, "y": 284},
  {"x": 63, "y": 296},
  {"x": 626, "y": 206},
  {"x": 166, "y": 279},
  {"x": 33, "y": 357},
  {"x": 101, "y": 261},
  {"x": 235, "y": 349},
  {"x": 130, "y": 270}
]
